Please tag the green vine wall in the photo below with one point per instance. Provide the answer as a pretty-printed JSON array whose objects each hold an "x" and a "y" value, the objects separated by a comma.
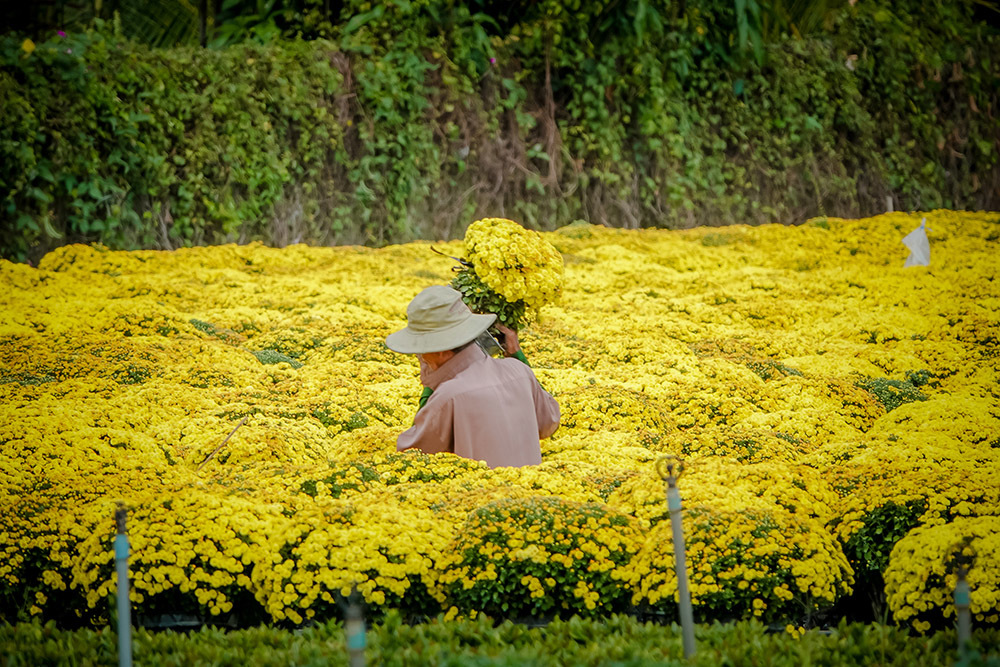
[{"x": 415, "y": 118}]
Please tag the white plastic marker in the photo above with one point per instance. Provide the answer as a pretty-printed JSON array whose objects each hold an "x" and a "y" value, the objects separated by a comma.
[{"x": 920, "y": 248}]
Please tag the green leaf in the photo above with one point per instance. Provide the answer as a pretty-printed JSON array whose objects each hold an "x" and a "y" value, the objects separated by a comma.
[
  {"x": 359, "y": 20},
  {"x": 41, "y": 195},
  {"x": 25, "y": 221}
]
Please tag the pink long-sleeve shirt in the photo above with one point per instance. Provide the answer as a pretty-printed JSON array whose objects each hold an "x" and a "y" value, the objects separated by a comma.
[{"x": 487, "y": 409}]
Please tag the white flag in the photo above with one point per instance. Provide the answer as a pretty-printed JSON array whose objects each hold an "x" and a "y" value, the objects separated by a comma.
[{"x": 920, "y": 249}]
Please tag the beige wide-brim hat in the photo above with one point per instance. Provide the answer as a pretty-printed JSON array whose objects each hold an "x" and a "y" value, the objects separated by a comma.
[{"x": 438, "y": 320}]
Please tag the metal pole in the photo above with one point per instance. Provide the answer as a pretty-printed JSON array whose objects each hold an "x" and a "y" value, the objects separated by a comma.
[
  {"x": 354, "y": 631},
  {"x": 962, "y": 612},
  {"x": 124, "y": 609},
  {"x": 667, "y": 466}
]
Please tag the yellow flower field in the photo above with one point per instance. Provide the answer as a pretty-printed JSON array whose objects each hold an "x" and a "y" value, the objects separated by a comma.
[{"x": 828, "y": 405}]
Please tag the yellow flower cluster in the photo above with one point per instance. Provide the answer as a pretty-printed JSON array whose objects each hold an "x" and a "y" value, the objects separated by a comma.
[
  {"x": 747, "y": 562},
  {"x": 241, "y": 402},
  {"x": 921, "y": 577},
  {"x": 757, "y": 539},
  {"x": 613, "y": 408},
  {"x": 196, "y": 547},
  {"x": 539, "y": 556},
  {"x": 377, "y": 543},
  {"x": 516, "y": 263}
]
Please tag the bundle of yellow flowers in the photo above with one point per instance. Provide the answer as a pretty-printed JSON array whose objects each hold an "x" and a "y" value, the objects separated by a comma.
[{"x": 508, "y": 270}]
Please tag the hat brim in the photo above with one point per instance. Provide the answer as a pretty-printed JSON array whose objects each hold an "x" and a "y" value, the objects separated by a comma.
[{"x": 407, "y": 341}]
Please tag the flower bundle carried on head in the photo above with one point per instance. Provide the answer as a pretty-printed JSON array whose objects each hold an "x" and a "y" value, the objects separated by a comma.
[{"x": 509, "y": 271}]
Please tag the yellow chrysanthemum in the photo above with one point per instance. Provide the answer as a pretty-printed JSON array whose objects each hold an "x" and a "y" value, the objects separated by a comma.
[
  {"x": 516, "y": 263},
  {"x": 241, "y": 402}
]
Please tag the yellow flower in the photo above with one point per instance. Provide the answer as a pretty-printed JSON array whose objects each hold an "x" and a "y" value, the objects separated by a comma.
[
  {"x": 743, "y": 352},
  {"x": 516, "y": 263}
]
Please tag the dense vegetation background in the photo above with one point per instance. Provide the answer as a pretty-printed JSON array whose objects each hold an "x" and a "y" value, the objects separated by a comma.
[{"x": 178, "y": 122}]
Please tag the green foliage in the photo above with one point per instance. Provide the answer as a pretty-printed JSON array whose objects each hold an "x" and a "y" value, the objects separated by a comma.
[
  {"x": 131, "y": 374},
  {"x": 157, "y": 23},
  {"x": 25, "y": 379},
  {"x": 481, "y": 299},
  {"x": 137, "y": 148},
  {"x": 340, "y": 480},
  {"x": 275, "y": 357},
  {"x": 894, "y": 393},
  {"x": 410, "y": 119},
  {"x": 975, "y": 658},
  {"x": 930, "y": 65},
  {"x": 767, "y": 369},
  {"x": 204, "y": 327},
  {"x": 417, "y": 114},
  {"x": 616, "y": 640},
  {"x": 919, "y": 378},
  {"x": 868, "y": 549},
  {"x": 243, "y": 20}
]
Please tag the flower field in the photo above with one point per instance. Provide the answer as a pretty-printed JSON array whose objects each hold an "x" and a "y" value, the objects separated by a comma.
[{"x": 837, "y": 414}]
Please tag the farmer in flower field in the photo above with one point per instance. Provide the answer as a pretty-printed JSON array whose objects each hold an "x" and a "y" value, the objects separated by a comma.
[{"x": 478, "y": 407}]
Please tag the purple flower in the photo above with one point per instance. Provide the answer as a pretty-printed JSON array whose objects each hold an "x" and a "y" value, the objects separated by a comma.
[
  {"x": 61, "y": 33},
  {"x": 493, "y": 61}
]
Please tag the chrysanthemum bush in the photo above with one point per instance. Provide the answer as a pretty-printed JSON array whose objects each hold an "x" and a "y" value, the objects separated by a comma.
[
  {"x": 922, "y": 468},
  {"x": 381, "y": 547},
  {"x": 921, "y": 577},
  {"x": 194, "y": 553},
  {"x": 757, "y": 562},
  {"x": 757, "y": 537},
  {"x": 761, "y": 355},
  {"x": 540, "y": 557}
]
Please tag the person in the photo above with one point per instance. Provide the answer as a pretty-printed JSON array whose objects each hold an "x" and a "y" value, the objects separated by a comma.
[{"x": 474, "y": 405}]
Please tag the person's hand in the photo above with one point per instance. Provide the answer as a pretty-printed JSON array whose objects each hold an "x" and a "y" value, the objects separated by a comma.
[{"x": 511, "y": 346}]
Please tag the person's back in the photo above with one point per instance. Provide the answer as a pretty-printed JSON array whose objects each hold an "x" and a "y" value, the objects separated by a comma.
[
  {"x": 486, "y": 409},
  {"x": 478, "y": 407}
]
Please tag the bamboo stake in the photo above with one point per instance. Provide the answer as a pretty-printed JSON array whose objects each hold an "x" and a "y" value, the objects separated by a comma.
[{"x": 216, "y": 450}]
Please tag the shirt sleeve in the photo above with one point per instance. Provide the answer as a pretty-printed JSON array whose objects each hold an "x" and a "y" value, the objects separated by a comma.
[
  {"x": 433, "y": 428},
  {"x": 546, "y": 411},
  {"x": 546, "y": 407}
]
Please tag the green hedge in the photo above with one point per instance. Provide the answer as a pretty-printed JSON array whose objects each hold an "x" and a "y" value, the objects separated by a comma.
[
  {"x": 618, "y": 640},
  {"x": 422, "y": 116},
  {"x": 139, "y": 148}
]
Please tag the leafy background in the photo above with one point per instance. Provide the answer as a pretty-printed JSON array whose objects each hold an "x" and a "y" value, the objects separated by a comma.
[{"x": 178, "y": 123}]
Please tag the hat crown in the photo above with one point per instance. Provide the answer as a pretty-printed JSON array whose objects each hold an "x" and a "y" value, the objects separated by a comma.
[
  {"x": 436, "y": 308},
  {"x": 438, "y": 320}
]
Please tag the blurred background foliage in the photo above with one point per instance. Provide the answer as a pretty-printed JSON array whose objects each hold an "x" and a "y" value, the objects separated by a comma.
[{"x": 174, "y": 122}]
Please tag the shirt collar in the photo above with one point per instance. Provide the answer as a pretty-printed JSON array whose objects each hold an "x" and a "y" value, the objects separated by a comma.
[{"x": 468, "y": 357}]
